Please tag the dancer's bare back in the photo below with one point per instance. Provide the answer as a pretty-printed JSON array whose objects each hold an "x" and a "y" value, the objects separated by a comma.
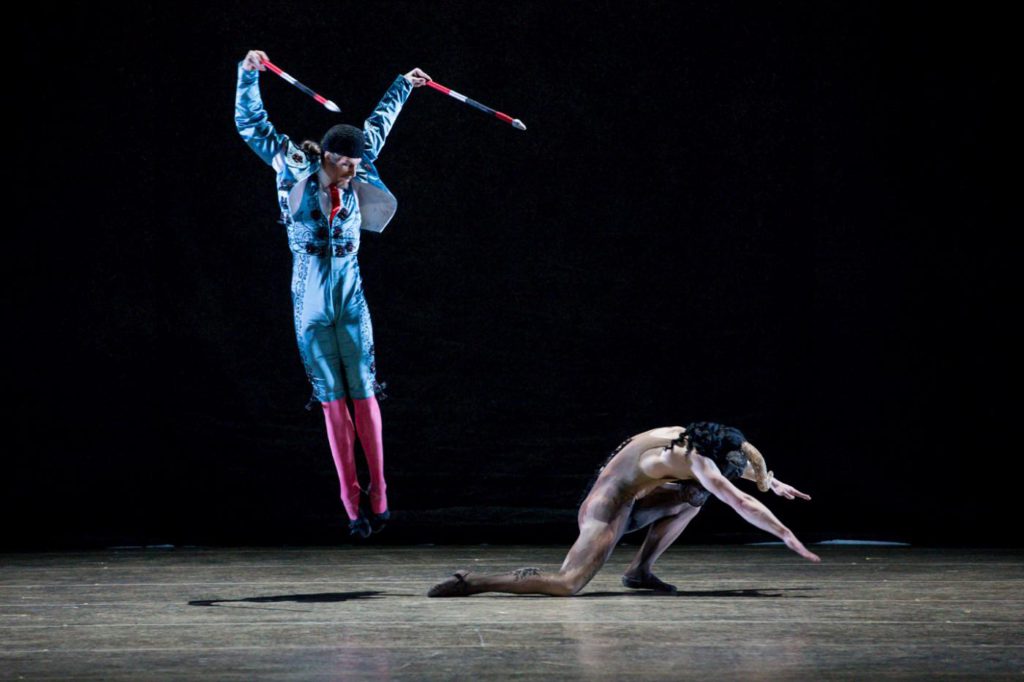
[{"x": 647, "y": 461}]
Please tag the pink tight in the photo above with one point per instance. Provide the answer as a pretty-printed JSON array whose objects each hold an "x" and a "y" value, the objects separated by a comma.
[{"x": 341, "y": 433}]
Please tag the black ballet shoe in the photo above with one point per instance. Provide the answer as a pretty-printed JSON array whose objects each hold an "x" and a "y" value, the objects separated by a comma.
[
  {"x": 648, "y": 582},
  {"x": 456, "y": 586},
  {"x": 359, "y": 528},
  {"x": 378, "y": 521}
]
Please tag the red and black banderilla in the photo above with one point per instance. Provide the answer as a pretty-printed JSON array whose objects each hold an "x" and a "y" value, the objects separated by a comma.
[
  {"x": 516, "y": 123},
  {"x": 319, "y": 98}
]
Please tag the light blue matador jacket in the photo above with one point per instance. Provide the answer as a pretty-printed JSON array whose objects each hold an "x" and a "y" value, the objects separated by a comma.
[{"x": 332, "y": 320}]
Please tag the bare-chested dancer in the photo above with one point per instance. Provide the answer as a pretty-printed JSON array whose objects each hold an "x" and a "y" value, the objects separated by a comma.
[{"x": 659, "y": 478}]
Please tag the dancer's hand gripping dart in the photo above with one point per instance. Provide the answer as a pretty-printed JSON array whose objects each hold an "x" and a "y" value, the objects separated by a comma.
[
  {"x": 516, "y": 123},
  {"x": 257, "y": 59}
]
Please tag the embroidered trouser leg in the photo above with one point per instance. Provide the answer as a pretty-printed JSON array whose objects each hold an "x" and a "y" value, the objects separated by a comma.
[{"x": 333, "y": 327}]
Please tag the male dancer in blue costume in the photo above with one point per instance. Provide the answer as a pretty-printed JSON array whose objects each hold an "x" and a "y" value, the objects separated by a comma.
[
  {"x": 659, "y": 478},
  {"x": 327, "y": 192}
]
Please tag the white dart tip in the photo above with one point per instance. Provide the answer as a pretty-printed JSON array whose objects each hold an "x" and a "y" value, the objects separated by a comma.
[
  {"x": 516, "y": 123},
  {"x": 332, "y": 106}
]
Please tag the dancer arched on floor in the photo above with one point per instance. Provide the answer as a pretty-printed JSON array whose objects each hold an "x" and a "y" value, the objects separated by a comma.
[
  {"x": 659, "y": 478},
  {"x": 327, "y": 192}
]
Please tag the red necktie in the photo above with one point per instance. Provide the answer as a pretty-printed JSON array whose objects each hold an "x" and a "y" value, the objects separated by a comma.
[{"x": 335, "y": 203}]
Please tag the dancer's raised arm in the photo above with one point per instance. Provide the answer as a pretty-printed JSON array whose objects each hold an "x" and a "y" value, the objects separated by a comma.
[
  {"x": 379, "y": 123},
  {"x": 250, "y": 117}
]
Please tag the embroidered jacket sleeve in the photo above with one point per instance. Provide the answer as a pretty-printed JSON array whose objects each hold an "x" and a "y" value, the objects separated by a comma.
[
  {"x": 379, "y": 123},
  {"x": 251, "y": 119}
]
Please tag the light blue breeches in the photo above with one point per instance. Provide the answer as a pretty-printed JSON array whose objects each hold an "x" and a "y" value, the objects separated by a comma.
[{"x": 332, "y": 326}]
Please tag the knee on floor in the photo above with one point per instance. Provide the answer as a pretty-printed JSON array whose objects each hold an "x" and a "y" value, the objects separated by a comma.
[{"x": 570, "y": 584}]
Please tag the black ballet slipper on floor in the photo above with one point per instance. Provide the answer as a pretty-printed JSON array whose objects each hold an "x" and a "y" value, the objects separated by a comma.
[
  {"x": 648, "y": 582},
  {"x": 359, "y": 528},
  {"x": 456, "y": 586}
]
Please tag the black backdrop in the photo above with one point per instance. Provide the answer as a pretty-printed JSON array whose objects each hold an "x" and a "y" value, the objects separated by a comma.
[{"x": 782, "y": 216}]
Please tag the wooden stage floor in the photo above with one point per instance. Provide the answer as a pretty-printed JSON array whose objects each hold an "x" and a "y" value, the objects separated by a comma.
[{"x": 351, "y": 613}]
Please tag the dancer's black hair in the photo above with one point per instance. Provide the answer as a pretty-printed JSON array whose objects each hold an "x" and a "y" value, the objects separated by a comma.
[
  {"x": 345, "y": 140},
  {"x": 719, "y": 443},
  {"x": 312, "y": 150},
  {"x": 340, "y": 139}
]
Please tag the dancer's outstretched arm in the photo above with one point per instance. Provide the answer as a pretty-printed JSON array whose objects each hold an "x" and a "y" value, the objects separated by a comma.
[
  {"x": 250, "y": 117},
  {"x": 755, "y": 513}
]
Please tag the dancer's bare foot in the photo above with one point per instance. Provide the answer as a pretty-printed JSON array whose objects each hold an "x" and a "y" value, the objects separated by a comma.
[
  {"x": 647, "y": 582},
  {"x": 455, "y": 586}
]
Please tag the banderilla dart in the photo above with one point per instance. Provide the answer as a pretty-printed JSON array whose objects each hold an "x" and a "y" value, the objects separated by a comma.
[
  {"x": 319, "y": 98},
  {"x": 516, "y": 123}
]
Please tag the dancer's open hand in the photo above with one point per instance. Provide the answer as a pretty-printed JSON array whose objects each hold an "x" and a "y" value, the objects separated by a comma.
[
  {"x": 794, "y": 544},
  {"x": 789, "y": 492},
  {"x": 254, "y": 60}
]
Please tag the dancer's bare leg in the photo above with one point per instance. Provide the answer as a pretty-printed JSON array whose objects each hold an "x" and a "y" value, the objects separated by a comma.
[
  {"x": 660, "y": 536},
  {"x": 667, "y": 510},
  {"x": 665, "y": 500},
  {"x": 591, "y": 550}
]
